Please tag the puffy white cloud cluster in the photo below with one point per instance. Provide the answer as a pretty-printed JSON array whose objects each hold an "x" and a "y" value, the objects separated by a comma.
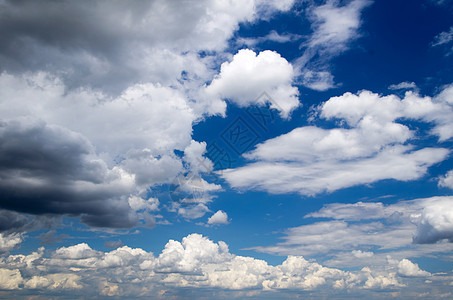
[
  {"x": 435, "y": 221},
  {"x": 9, "y": 241},
  {"x": 220, "y": 217},
  {"x": 370, "y": 142},
  {"x": 447, "y": 180},
  {"x": 408, "y": 268},
  {"x": 196, "y": 262},
  {"x": 248, "y": 75}
]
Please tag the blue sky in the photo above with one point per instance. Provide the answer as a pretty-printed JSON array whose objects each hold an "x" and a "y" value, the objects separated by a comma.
[{"x": 248, "y": 149}]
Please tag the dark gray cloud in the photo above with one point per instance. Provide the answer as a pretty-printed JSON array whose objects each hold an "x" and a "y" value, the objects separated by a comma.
[
  {"x": 113, "y": 244},
  {"x": 51, "y": 237},
  {"x": 112, "y": 44},
  {"x": 12, "y": 222},
  {"x": 48, "y": 170}
]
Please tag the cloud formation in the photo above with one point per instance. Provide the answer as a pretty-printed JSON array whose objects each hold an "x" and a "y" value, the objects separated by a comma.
[
  {"x": 369, "y": 134},
  {"x": 195, "y": 262},
  {"x": 361, "y": 233},
  {"x": 248, "y": 75},
  {"x": 219, "y": 218},
  {"x": 335, "y": 25}
]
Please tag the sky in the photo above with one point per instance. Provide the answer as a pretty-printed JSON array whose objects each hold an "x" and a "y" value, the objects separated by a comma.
[{"x": 241, "y": 149}]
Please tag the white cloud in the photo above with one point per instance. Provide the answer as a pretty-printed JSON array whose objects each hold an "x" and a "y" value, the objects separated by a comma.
[
  {"x": 351, "y": 212},
  {"x": 373, "y": 146},
  {"x": 220, "y": 217},
  {"x": 334, "y": 27},
  {"x": 410, "y": 269},
  {"x": 248, "y": 75},
  {"x": 273, "y": 36},
  {"x": 399, "y": 163},
  {"x": 78, "y": 251},
  {"x": 443, "y": 38},
  {"x": 193, "y": 211},
  {"x": 9, "y": 242},
  {"x": 193, "y": 155},
  {"x": 403, "y": 86},
  {"x": 381, "y": 281},
  {"x": 361, "y": 254},
  {"x": 195, "y": 262},
  {"x": 435, "y": 221},
  {"x": 137, "y": 203},
  {"x": 356, "y": 229},
  {"x": 10, "y": 279},
  {"x": 447, "y": 180}
]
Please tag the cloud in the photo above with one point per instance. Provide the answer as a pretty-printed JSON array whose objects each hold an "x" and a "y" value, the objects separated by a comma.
[
  {"x": 435, "y": 222},
  {"x": 365, "y": 234},
  {"x": 220, "y": 217},
  {"x": 447, "y": 180},
  {"x": 94, "y": 48},
  {"x": 194, "y": 262},
  {"x": 9, "y": 242},
  {"x": 408, "y": 268},
  {"x": 248, "y": 75},
  {"x": 368, "y": 135},
  {"x": 404, "y": 86},
  {"x": 52, "y": 170},
  {"x": 443, "y": 38},
  {"x": 361, "y": 233},
  {"x": 351, "y": 212},
  {"x": 193, "y": 211},
  {"x": 113, "y": 244},
  {"x": 272, "y": 36},
  {"x": 334, "y": 27},
  {"x": 51, "y": 237}
]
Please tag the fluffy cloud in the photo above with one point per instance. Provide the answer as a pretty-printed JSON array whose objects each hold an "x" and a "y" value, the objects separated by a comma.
[
  {"x": 220, "y": 217},
  {"x": 247, "y": 76},
  {"x": 195, "y": 262},
  {"x": 408, "y": 268},
  {"x": 9, "y": 242},
  {"x": 311, "y": 160},
  {"x": 435, "y": 222},
  {"x": 447, "y": 180}
]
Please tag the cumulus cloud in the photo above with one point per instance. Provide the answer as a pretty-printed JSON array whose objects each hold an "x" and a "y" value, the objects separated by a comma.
[
  {"x": 248, "y": 75},
  {"x": 220, "y": 217},
  {"x": 9, "y": 242},
  {"x": 410, "y": 269},
  {"x": 447, "y": 180},
  {"x": 435, "y": 222},
  {"x": 195, "y": 262},
  {"x": 311, "y": 160}
]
